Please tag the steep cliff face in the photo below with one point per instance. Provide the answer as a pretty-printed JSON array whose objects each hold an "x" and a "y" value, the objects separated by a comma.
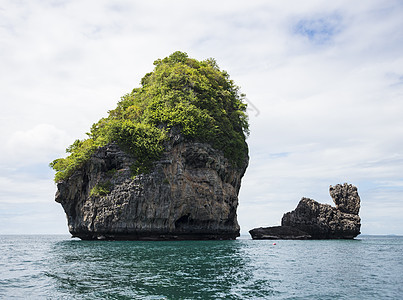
[
  {"x": 320, "y": 221},
  {"x": 190, "y": 193}
]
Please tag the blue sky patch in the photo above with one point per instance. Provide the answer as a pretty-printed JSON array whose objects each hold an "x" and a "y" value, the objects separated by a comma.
[
  {"x": 319, "y": 30},
  {"x": 279, "y": 155}
]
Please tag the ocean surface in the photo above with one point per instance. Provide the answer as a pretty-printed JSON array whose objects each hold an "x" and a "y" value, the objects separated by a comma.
[{"x": 57, "y": 267}]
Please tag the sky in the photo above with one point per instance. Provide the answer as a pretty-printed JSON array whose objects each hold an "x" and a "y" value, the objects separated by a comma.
[{"x": 323, "y": 79}]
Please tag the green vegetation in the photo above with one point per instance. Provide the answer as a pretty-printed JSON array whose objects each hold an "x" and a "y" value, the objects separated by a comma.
[
  {"x": 195, "y": 96},
  {"x": 101, "y": 189}
]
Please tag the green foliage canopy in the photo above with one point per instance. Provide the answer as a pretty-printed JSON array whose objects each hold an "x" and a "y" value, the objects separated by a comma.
[{"x": 195, "y": 96}]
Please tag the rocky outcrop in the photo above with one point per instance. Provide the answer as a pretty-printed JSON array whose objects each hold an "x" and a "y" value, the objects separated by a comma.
[
  {"x": 321, "y": 221},
  {"x": 190, "y": 193},
  {"x": 278, "y": 233},
  {"x": 346, "y": 198}
]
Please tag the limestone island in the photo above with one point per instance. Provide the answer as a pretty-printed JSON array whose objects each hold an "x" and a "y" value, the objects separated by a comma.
[
  {"x": 313, "y": 220},
  {"x": 165, "y": 164}
]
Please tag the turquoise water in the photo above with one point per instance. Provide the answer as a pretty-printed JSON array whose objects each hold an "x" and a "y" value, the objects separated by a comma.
[{"x": 57, "y": 267}]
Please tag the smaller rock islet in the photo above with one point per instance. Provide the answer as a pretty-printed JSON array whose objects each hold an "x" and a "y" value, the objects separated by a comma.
[{"x": 313, "y": 220}]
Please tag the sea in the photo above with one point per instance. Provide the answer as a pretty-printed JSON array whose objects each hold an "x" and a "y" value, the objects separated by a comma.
[{"x": 59, "y": 267}]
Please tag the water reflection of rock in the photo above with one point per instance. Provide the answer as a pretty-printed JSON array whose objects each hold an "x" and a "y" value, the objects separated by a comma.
[{"x": 163, "y": 270}]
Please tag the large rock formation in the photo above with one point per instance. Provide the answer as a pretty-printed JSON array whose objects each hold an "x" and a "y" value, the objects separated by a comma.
[
  {"x": 190, "y": 193},
  {"x": 320, "y": 221}
]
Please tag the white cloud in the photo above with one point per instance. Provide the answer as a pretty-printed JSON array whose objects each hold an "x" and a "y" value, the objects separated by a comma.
[
  {"x": 325, "y": 77},
  {"x": 35, "y": 145},
  {"x": 25, "y": 189}
]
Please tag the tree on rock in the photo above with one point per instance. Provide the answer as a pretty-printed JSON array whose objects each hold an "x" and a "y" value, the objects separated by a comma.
[{"x": 181, "y": 92}]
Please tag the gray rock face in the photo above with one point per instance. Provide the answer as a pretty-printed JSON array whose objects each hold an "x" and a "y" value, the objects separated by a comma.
[
  {"x": 346, "y": 198},
  {"x": 322, "y": 221},
  {"x": 191, "y": 193}
]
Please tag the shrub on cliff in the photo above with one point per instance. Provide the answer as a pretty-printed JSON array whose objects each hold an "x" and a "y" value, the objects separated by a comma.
[{"x": 182, "y": 92}]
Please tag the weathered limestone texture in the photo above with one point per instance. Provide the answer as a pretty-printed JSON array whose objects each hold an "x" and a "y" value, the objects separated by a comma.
[
  {"x": 322, "y": 221},
  {"x": 346, "y": 198},
  {"x": 190, "y": 193}
]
